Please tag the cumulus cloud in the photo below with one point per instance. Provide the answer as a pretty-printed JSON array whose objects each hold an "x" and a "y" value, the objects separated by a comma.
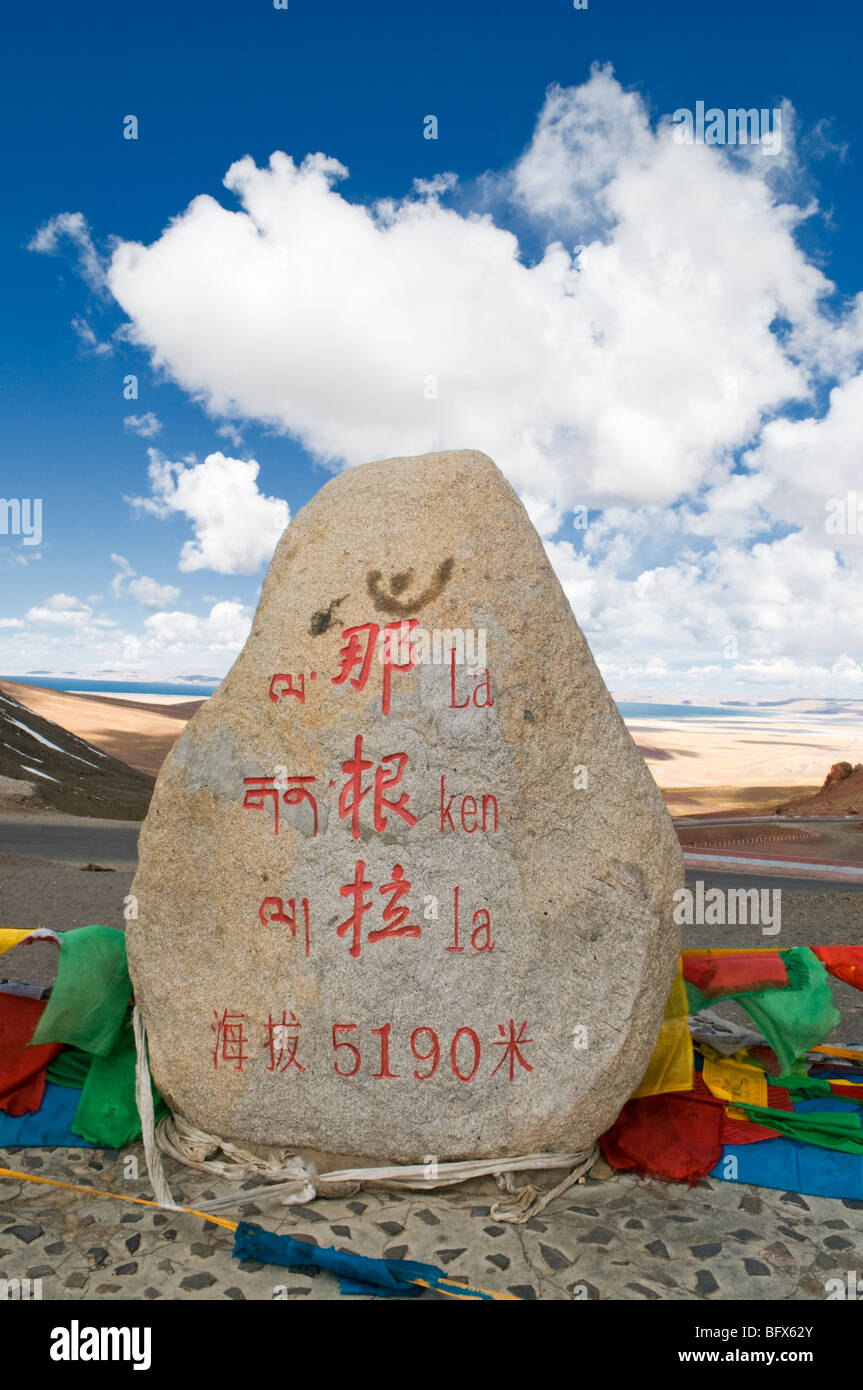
[
  {"x": 225, "y": 629},
  {"x": 146, "y": 426},
  {"x": 236, "y": 526},
  {"x": 724, "y": 619},
  {"x": 621, "y": 371},
  {"x": 149, "y": 592},
  {"x": 583, "y": 138},
  {"x": 654, "y": 344},
  {"x": 65, "y": 610},
  {"x": 812, "y": 462}
]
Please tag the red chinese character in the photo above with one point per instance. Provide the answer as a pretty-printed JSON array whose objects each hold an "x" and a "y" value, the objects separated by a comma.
[
  {"x": 394, "y": 916},
  {"x": 273, "y": 910},
  {"x": 404, "y": 629},
  {"x": 352, "y": 654},
  {"x": 357, "y": 890},
  {"x": 512, "y": 1045},
  {"x": 281, "y": 1044},
  {"x": 293, "y": 790},
  {"x": 383, "y": 783},
  {"x": 281, "y": 686},
  {"x": 229, "y": 1039},
  {"x": 353, "y": 791}
]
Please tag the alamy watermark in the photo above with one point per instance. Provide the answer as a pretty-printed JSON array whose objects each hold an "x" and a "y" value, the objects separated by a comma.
[
  {"x": 24, "y": 1290},
  {"x": 22, "y": 516},
  {"x": 737, "y": 126},
  {"x": 847, "y": 1287},
  {"x": 844, "y": 515},
  {"x": 416, "y": 646},
  {"x": 77, "y": 1343},
  {"x": 720, "y": 907}
]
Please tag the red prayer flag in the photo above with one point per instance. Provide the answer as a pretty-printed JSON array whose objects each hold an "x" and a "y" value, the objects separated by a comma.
[
  {"x": 715, "y": 975},
  {"x": 679, "y": 1136},
  {"x": 672, "y": 1136},
  {"x": 22, "y": 1068},
  {"x": 845, "y": 962}
]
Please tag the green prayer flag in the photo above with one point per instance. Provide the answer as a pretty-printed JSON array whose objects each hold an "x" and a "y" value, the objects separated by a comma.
[
  {"x": 70, "y": 1067},
  {"x": 91, "y": 994},
  {"x": 89, "y": 1011},
  {"x": 827, "y": 1128},
  {"x": 793, "y": 1020},
  {"x": 107, "y": 1113},
  {"x": 796, "y": 1019}
]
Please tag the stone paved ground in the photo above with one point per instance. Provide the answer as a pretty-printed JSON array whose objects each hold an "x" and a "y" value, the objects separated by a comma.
[{"x": 621, "y": 1238}]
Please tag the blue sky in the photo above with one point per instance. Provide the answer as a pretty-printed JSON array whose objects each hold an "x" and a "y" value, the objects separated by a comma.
[{"x": 705, "y": 568}]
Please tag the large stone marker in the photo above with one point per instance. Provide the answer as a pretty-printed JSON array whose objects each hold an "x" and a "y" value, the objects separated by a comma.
[{"x": 405, "y": 885}]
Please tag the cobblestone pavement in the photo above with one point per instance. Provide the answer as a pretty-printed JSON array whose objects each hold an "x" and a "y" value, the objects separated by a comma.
[{"x": 620, "y": 1238}]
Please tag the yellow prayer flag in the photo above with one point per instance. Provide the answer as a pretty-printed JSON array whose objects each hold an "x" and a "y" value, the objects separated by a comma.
[
  {"x": 729, "y": 1078},
  {"x": 670, "y": 1065}
]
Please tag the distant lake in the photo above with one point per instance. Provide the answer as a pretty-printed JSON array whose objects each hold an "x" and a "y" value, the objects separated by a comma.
[
  {"x": 82, "y": 687},
  {"x": 628, "y": 710},
  {"x": 649, "y": 711}
]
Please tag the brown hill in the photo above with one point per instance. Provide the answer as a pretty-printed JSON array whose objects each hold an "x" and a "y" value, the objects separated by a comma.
[
  {"x": 43, "y": 764},
  {"x": 135, "y": 732},
  {"x": 841, "y": 794}
]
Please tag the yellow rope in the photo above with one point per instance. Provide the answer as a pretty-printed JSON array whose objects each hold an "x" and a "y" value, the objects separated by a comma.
[
  {"x": 454, "y": 1289},
  {"x": 731, "y": 950},
  {"x": 117, "y": 1196}
]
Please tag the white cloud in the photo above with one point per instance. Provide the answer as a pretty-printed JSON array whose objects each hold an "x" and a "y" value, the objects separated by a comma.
[
  {"x": 149, "y": 592},
  {"x": 88, "y": 340},
  {"x": 11, "y": 622},
  {"x": 628, "y": 365},
  {"x": 810, "y": 461},
  {"x": 61, "y": 603},
  {"x": 71, "y": 226},
  {"x": 123, "y": 575},
  {"x": 236, "y": 526},
  {"x": 433, "y": 187},
  {"x": 65, "y": 610},
  {"x": 776, "y": 614},
  {"x": 582, "y": 139},
  {"x": 624, "y": 373},
  {"x": 147, "y": 425},
  {"x": 230, "y": 431},
  {"x": 225, "y": 629}
]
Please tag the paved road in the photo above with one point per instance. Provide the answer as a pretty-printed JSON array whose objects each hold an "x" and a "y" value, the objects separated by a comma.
[
  {"x": 72, "y": 841},
  {"x": 78, "y": 841},
  {"x": 737, "y": 878},
  {"x": 696, "y": 822}
]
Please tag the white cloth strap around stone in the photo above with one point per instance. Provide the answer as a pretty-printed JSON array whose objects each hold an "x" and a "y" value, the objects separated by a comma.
[{"x": 295, "y": 1181}]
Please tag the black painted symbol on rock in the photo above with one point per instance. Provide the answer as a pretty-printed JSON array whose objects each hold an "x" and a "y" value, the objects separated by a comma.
[
  {"x": 392, "y": 603},
  {"x": 323, "y": 620}
]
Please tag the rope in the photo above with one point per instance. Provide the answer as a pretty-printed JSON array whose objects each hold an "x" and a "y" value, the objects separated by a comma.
[
  {"x": 144, "y": 1102},
  {"x": 196, "y": 1149},
  {"x": 529, "y": 1200},
  {"x": 118, "y": 1196},
  {"x": 295, "y": 1181}
]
